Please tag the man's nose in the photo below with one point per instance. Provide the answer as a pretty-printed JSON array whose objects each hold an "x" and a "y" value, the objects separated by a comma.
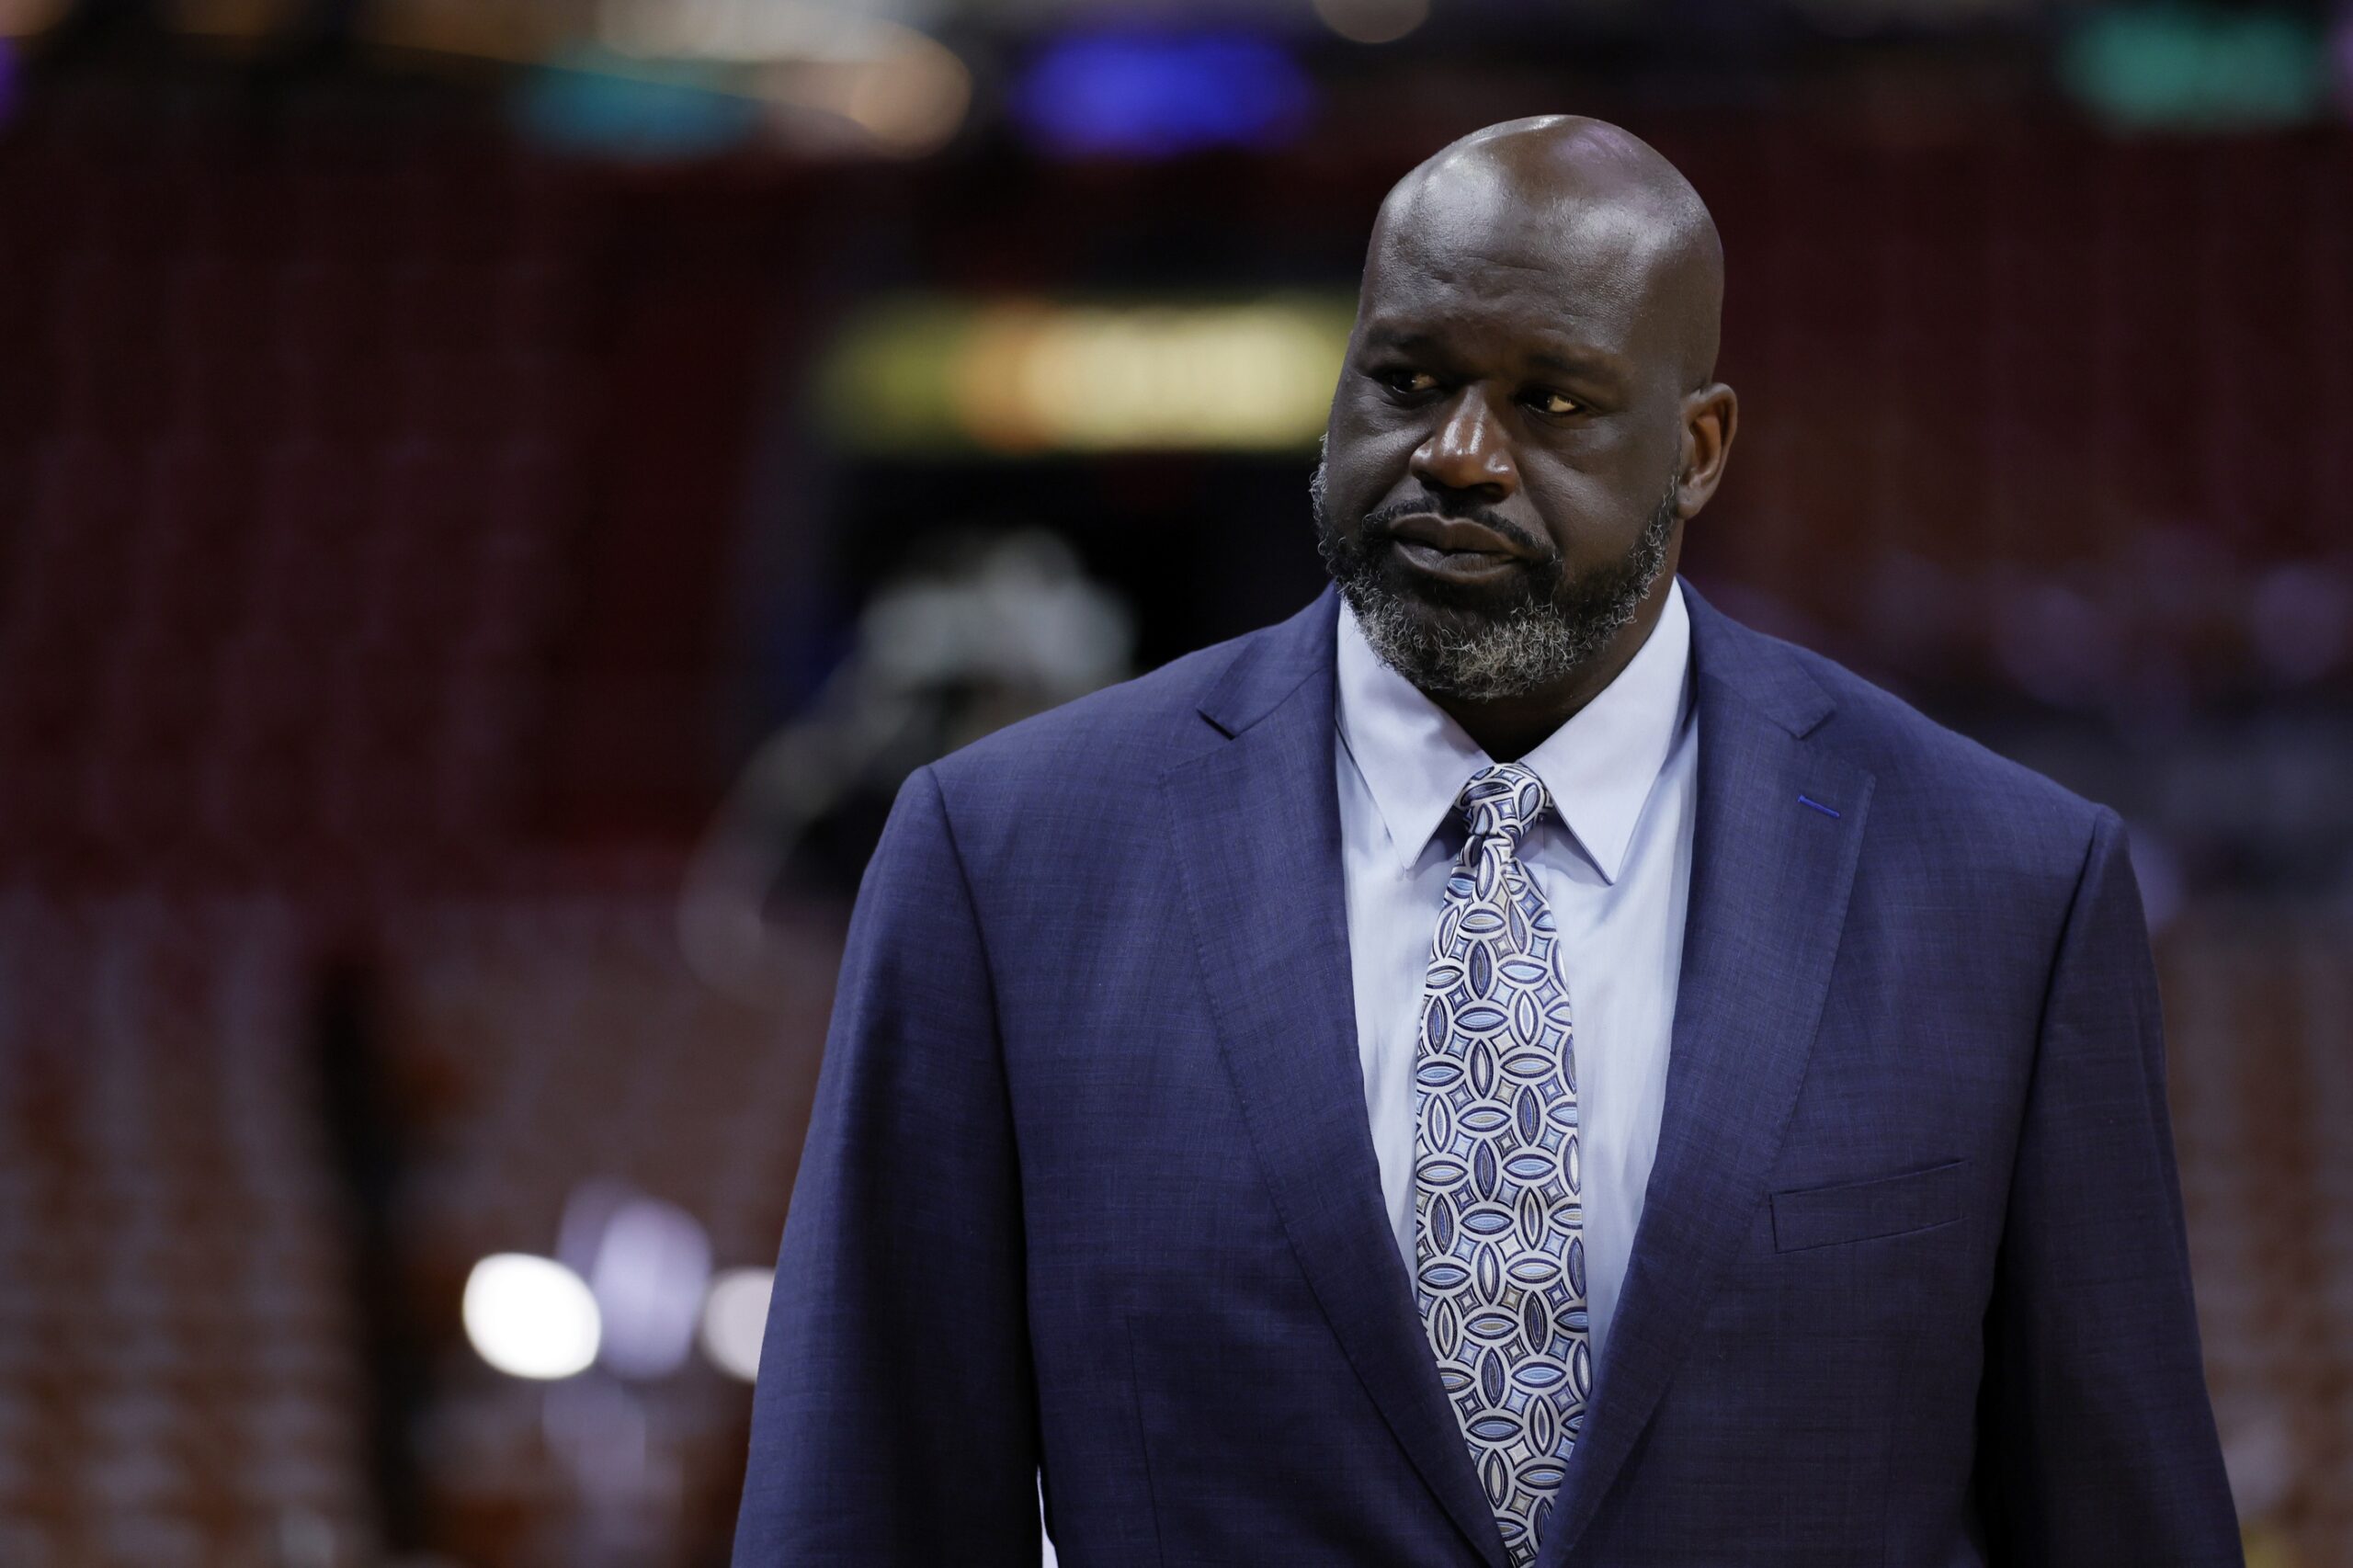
[{"x": 1468, "y": 451}]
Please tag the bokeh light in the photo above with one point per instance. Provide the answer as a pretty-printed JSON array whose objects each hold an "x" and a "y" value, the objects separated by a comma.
[
  {"x": 643, "y": 112},
  {"x": 1027, "y": 377},
  {"x": 20, "y": 18},
  {"x": 1149, "y": 95},
  {"x": 1373, "y": 21},
  {"x": 2183, "y": 64},
  {"x": 735, "y": 1318},
  {"x": 906, "y": 99},
  {"x": 651, "y": 1265},
  {"x": 532, "y": 1317},
  {"x": 818, "y": 70}
]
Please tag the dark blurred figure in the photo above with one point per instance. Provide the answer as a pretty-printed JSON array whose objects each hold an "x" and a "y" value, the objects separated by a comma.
[{"x": 363, "y": 1127}]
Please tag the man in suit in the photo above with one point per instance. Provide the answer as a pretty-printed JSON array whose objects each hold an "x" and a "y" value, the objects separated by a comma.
[{"x": 1505, "y": 1066}]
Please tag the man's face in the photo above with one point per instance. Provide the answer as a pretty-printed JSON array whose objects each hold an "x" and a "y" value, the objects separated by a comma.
[{"x": 1499, "y": 485}]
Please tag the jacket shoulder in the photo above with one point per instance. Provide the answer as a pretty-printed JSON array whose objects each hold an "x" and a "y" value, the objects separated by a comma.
[
  {"x": 1925, "y": 769},
  {"x": 1126, "y": 734}
]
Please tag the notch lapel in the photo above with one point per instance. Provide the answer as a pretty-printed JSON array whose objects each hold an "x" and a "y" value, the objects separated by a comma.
[
  {"x": 1256, "y": 830},
  {"x": 1770, "y": 875}
]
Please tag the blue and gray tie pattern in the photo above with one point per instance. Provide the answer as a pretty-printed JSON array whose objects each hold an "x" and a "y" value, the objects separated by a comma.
[{"x": 1499, "y": 1224}]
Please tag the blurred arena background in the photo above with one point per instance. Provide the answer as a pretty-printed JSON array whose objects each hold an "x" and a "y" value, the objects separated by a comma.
[{"x": 496, "y": 494}]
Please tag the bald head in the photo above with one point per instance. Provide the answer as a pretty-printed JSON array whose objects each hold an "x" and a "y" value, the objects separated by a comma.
[{"x": 1580, "y": 196}]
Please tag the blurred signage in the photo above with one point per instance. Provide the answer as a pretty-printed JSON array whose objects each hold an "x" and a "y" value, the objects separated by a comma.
[
  {"x": 676, "y": 111},
  {"x": 691, "y": 78},
  {"x": 2198, "y": 67},
  {"x": 1146, "y": 95},
  {"x": 928, "y": 374}
]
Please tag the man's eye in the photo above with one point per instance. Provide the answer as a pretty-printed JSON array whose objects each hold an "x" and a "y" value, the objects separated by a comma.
[
  {"x": 1409, "y": 384},
  {"x": 1558, "y": 404}
]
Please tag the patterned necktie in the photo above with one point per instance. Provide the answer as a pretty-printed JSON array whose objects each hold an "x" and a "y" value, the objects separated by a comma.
[{"x": 1499, "y": 1225}]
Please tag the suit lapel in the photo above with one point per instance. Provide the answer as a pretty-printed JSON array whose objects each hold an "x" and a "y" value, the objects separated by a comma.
[
  {"x": 1256, "y": 830},
  {"x": 1770, "y": 874}
]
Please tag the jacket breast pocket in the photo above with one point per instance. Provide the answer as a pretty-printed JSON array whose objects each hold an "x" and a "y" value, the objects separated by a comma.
[{"x": 1859, "y": 1210}]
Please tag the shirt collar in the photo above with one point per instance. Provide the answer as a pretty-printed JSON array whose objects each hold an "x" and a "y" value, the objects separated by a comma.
[{"x": 1598, "y": 767}]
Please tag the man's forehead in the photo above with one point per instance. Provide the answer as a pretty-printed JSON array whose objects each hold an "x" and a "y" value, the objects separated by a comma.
[
  {"x": 1569, "y": 282},
  {"x": 1485, "y": 228}
]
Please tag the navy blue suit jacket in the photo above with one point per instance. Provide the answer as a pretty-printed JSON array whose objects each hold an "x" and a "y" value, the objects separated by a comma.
[{"x": 1090, "y": 1186}]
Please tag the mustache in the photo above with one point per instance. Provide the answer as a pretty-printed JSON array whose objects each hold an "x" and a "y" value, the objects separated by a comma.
[{"x": 1379, "y": 524}]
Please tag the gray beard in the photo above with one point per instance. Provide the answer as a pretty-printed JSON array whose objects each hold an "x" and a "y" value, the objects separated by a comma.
[{"x": 1540, "y": 641}]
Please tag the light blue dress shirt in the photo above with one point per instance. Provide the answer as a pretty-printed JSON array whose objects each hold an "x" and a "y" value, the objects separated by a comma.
[{"x": 1615, "y": 865}]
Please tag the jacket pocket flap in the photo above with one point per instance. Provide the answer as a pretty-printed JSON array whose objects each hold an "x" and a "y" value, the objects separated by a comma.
[{"x": 1857, "y": 1211}]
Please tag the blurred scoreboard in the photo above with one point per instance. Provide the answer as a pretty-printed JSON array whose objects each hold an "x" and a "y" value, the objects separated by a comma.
[{"x": 923, "y": 374}]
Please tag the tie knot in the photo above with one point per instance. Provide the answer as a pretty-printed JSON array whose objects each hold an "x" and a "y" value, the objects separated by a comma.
[{"x": 1504, "y": 798}]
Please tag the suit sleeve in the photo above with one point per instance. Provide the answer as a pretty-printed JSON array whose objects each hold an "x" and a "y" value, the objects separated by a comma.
[
  {"x": 894, "y": 1425},
  {"x": 2096, "y": 1441}
]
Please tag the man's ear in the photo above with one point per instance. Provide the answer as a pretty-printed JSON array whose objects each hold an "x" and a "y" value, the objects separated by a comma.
[{"x": 1711, "y": 418}]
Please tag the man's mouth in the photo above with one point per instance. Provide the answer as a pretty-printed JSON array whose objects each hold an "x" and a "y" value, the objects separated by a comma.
[
  {"x": 1453, "y": 549},
  {"x": 1455, "y": 535},
  {"x": 1465, "y": 566}
]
